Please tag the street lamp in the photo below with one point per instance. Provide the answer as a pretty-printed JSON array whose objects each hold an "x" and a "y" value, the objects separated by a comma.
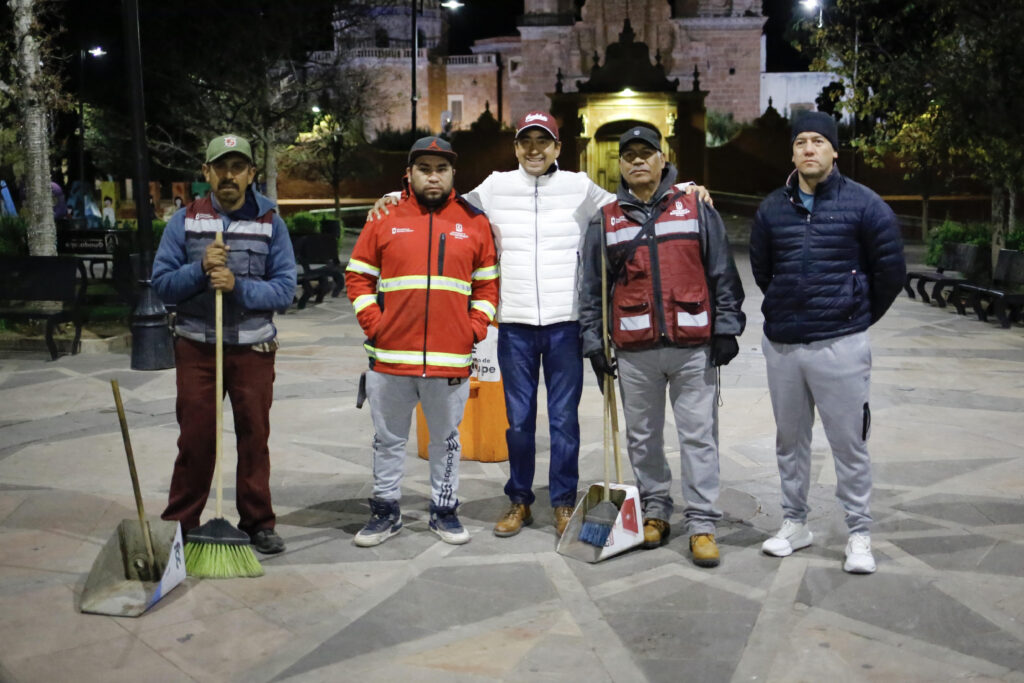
[
  {"x": 96, "y": 53},
  {"x": 448, "y": 4},
  {"x": 811, "y": 5}
]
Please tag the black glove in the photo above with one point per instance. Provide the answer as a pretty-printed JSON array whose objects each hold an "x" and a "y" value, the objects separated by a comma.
[
  {"x": 723, "y": 349},
  {"x": 602, "y": 366}
]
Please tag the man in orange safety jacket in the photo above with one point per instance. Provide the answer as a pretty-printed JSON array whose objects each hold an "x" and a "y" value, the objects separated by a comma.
[{"x": 424, "y": 283}]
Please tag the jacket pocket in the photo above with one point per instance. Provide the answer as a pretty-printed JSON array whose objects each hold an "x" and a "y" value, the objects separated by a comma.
[
  {"x": 632, "y": 322},
  {"x": 251, "y": 261},
  {"x": 691, "y": 315}
]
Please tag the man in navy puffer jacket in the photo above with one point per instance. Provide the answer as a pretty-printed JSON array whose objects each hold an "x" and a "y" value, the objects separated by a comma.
[{"x": 827, "y": 253}]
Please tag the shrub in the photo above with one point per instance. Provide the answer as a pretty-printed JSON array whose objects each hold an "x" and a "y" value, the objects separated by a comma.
[
  {"x": 13, "y": 236},
  {"x": 977, "y": 234},
  {"x": 303, "y": 223},
  {"x": 1015, "y": 239}
]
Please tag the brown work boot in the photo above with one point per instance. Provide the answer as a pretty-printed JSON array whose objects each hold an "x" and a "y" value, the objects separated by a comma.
[
  {"x": 656, "y": 533},
  {"x": 704, "y": 549},
  {"x": 513, "y": 521},
  {"x": 563, "y": 513}
]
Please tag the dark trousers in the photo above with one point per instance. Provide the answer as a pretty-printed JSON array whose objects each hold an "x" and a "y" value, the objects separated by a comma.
[
  {"x": 522, "y": 351},
  {"x": 249, "y": 383}
]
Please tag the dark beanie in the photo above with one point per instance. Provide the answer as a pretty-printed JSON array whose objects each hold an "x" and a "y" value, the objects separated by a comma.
[{"x": 816, "y": 122}]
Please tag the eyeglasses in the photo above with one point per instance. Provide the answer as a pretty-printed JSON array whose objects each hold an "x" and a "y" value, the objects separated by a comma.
[
  {"x": 235, "y": 168},
  {"x": 631, "y": 155}
]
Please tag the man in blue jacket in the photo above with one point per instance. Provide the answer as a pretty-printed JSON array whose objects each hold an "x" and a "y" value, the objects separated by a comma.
[
  {"x": 254, "y": 267},
  {"x": 827, "y": 253}
]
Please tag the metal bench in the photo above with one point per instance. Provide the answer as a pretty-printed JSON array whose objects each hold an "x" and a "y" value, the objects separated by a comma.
[
  {"x": 318, "y": 263},
  {"x": 27, "y": 283},
  {"x": 972, "y": 262},
  {"x": 1005, "y": 297}
]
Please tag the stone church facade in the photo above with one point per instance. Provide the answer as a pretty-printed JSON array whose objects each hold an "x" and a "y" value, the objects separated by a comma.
[{"x": 718, "y": 40}]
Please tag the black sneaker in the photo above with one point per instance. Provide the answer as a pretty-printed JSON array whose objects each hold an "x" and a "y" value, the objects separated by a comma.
[
  {"x": 385, "y": 521},
  {"x": 445, "y": 523},
  {"x": 267, "y": 542}
]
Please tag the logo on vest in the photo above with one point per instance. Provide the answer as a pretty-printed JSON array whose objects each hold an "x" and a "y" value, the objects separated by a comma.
[
  {"x": 619, "y": 219},
  {"x": 205, "y": 217},
  {"x": 395, "y": 231},
  {"x": 457, "y": 233},
  {"x": 680, "y": 210}
]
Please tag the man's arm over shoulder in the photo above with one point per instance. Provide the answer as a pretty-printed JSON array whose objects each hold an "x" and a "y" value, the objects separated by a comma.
[
  {"x": 277, "y": 288},
  {"x": 480, "y": 196},
  {"x": 883, "y": 245},
  {"x": 361, "y": 277},
  {"x": 724, "y": 283},
  {"x": 483, "y": 305},
  {"x": 175, "y": 278},
  {"x": 591, "y": 324}
]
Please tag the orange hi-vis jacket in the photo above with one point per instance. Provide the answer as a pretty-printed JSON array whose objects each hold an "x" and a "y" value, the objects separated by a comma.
[{"x": 424, "y": 284}]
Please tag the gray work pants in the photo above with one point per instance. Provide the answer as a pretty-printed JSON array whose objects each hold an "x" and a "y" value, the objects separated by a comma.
[
  {"x": 393, "y": 399},
  {"x": 643, "y": 377},
  {"x": 834, "y": 376}
]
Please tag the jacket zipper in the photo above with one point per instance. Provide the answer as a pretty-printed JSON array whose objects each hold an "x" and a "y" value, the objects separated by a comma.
[
  {"x": 440, "y": 254},
  {"x": 426, "y": 306},
  {"x": 536, "y": 244}
]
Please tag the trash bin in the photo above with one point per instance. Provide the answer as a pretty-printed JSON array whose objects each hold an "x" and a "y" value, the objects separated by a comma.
[{"x": 484, "y": 422}]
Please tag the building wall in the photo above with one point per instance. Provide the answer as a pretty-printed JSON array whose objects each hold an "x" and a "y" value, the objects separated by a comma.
[{"x": 722, "y": 38}]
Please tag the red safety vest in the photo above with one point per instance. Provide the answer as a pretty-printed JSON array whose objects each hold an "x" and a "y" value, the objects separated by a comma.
[{"x": 660, "y": 292}]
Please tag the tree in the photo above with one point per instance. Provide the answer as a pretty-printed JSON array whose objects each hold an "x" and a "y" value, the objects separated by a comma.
[
  {"x": 32, "y": 88},
  {"x": 269, "y": 57},
  {"x": 330, "y": 151},
  {"x": 938, "y": 81}
]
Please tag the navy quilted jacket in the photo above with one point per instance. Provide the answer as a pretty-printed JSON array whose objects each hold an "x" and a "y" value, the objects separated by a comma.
[{"x": 827, "y": 273}]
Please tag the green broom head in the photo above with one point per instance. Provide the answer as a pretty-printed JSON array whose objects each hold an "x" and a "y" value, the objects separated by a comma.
[
  {"x": 598, "y": 523},
  {"x": 218, "y": 550}
]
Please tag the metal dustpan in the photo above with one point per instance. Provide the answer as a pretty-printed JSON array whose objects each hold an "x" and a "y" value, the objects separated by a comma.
[
  {"x": 121, "y": 582},
  {"x": 626, "y": 533},
  {"x": 142, "y": 561}
]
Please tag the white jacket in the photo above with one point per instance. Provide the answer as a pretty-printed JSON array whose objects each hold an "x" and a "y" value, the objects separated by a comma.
[{"x": 538, "y": 225}]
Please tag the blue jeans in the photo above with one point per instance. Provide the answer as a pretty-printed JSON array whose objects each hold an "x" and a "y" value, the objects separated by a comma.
[{"x": 522, "y": 350}]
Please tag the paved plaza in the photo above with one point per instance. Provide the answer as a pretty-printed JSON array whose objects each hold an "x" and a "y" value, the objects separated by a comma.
[{"x": 947, "y": 602}]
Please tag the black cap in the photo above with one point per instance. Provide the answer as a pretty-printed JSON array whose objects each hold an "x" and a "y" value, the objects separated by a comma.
[
  {"x": 643, "y": 134},
  {"x": 816, "y": 122},
  {"x": 432, "y": 145}
]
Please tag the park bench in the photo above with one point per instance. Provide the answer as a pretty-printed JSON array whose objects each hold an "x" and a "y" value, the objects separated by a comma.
[
  {"x": 1005, "y": 297},
  {"x": 29, "y": 282},
  {"x": 970, "y": 261},
  {"x": 318, "y": 263}
]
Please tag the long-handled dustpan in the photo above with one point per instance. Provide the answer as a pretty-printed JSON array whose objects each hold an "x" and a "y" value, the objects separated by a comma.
[
  {"x": 141, "y": 562},
  {"x": 610, "y": 509}
]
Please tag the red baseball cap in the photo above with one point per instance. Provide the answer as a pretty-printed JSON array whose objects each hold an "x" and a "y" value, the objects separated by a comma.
[{"x": 538, "y": 119}]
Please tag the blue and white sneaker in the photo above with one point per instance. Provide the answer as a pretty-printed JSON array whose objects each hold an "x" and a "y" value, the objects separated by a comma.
[
  {"x": 445, "y": 523},
  {"x": 385, "y": 522}
]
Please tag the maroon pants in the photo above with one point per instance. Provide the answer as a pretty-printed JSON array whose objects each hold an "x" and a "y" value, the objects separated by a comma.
[{"x": 249, "y": 383}]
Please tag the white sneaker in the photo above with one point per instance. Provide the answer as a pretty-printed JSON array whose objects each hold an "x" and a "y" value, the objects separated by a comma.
[
  {"x": 792, "y": 536},
  {"x": 859, "y": 559}
]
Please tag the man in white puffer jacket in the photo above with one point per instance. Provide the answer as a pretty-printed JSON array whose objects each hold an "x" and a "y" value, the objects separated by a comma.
[{"x": 539, "y": 214}]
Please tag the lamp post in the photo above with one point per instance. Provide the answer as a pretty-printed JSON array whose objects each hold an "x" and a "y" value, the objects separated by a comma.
[
  {"x": 810, "y": 6},
  {"x": 96, "y": 53},
  {"x": 414, "y": 11}
]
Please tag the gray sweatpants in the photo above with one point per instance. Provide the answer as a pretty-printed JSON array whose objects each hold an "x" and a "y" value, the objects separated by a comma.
[
  {"x": 393, "y": 399},
  {"x": 834, "y": 376},
  {"x": 643, "y": 376}
]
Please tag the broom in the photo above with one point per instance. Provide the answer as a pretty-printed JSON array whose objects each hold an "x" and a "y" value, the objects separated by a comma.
[
  {"x": 217, "y": 549},
  {"x": 599, "y": 520}
]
